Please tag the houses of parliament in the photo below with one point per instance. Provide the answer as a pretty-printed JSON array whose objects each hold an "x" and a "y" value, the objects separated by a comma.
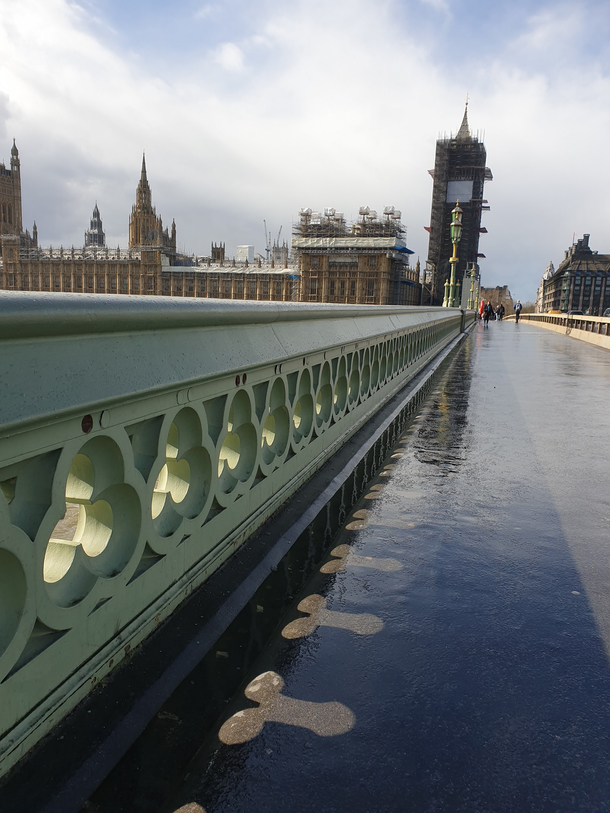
[{"x": 363, "y": 263}]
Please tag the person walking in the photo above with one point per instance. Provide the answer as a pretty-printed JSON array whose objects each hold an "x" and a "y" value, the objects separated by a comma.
[
  {"x": 487, "y": 313},
  {"x": 517, "y": 308},
  {"x": 500, "y": 311}
]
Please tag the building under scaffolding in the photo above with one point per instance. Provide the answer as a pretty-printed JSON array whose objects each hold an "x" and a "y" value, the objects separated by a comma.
[
  {"x": 459, "y": 175},
  {"x": 366, "y": 262}
]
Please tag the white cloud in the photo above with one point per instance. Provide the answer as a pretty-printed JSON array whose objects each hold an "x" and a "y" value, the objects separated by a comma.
[
  {"x": 206, "y": 12},
  {"x": 296, "y": 113},
  {"x": 230, "y": 57},
  {"x": 438, "y": 5}
]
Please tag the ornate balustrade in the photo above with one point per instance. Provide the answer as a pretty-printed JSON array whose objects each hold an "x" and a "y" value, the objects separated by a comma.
[
  {"x": 142, "y": 440},
  {"x": 592, "y": 329}
]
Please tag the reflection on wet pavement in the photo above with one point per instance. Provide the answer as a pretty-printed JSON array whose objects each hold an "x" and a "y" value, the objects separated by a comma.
[
  {"x": 324, "y": 719},
  {"x": 190, "y": 808},
  {"x": 346, "y": 558},
  {"x": 319, "y": 616}
]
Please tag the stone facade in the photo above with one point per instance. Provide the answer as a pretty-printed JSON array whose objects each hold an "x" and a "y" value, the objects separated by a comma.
[
  {"x": 581, "y": 282},
  {"x": 94, "y": 236},
  {"x": 365, "y": 263},
  {"x": 11, "y": 222},
  {"x": 500, "y": 295},
  {"x": 145, "y": 227}
]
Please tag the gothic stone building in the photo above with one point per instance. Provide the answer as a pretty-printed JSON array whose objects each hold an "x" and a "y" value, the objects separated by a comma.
[{"x": 364, "y": 264}]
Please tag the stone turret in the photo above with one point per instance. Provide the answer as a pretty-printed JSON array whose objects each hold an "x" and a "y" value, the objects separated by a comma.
[
  {"x": 145, "y": 227},
  {"x": 94, "y": 236}
]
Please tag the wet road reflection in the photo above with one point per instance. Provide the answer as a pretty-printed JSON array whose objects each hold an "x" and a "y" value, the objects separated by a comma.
[
  {"x": 324, "y": 719},
  {"x": 486, "y": 686},
  {"x": 319, "y": 616}
]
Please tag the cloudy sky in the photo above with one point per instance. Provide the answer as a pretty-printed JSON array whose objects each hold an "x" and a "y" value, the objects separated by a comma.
[{"x": 249, "y": 110}]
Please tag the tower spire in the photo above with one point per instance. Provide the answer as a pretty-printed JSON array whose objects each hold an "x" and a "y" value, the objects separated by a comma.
[
  {"x": 464, "y": 131},
  {"x": 143, "y": 194}
]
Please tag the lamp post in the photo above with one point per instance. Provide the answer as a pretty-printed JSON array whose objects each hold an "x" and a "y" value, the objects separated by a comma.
[
  {"x": 474, "y": 293},
  {"x": 450, "y": 300}
]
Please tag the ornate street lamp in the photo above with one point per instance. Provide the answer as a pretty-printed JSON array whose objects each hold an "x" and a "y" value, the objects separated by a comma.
[
  {"x": 450, "y": 300},
  {"x": 474, "y": 289}
]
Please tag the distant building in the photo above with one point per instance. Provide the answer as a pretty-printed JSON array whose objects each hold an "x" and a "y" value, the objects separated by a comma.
[
  {"x": 581, "y": 281},
  {"x": 366, "y": 263},
  {"x": 548, "y": 273},
  {"x": 145, "y": 228},
  {"x": 459, "y": 175},
  {"x": 500, "y": 295},
  {"x": 244, "y": 253},
  {"x": 217, "y": 254},
  {"x": 279, "y": 253},
  {"x": 94, "y": 236},
  {"x": 11, "y": 225},
  {"x": 150, "y": 266}
]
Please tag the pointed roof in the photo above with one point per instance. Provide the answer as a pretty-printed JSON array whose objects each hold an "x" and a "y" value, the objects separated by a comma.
[
  {"x": 143, "y": 193},
  {"x": 464, "y": 131}
]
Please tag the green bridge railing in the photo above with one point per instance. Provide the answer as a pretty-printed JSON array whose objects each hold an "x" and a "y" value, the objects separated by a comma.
[{"x": 142, "y": 440}]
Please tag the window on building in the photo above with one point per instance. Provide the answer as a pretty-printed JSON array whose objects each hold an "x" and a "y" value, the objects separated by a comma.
[
  {"x": 313, "y": 287},
  {"x": 215, "y": 287},
  {"x": 372, "y": 261},
  {"x": 252, "y": 289},
  {"x": 191, "y": 286},
  {"x": 332, "y": 287},
  {"x": 135, "y": 285},
  {"x": 227, "y": 288},
  {"x": 101, "y": 284},
  {"x": 266, "y": 289},
  {"x": 314, "y": 262},
  {"x": 370, "y": 287},
  {"x": 278, "y": 290},
  {"x": 166, "y": 285},
  {"x": 151, "y": 283},
  {"x": 342, "y": 287},
  {"x": 113, "y": 284},
  {"x": 352, "y": 287},
  {"x": 125, "y": 283}
]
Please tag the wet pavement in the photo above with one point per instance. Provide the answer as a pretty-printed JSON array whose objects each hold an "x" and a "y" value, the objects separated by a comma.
[{"x": 451, "y": 652}]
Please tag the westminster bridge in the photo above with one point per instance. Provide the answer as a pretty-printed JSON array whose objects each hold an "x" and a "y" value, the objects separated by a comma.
[{"x": 412, "y": 515}]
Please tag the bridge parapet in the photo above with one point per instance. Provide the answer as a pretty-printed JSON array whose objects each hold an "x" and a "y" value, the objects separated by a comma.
[
  {"x": 142, "y": 440},
  {"x": 591, "y": 329}
]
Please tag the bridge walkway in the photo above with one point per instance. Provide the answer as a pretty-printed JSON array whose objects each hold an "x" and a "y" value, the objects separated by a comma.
[{"x": 451, "y": 654}]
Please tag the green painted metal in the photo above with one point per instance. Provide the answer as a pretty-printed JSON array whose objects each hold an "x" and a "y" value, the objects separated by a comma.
[{"x": 142, "y": 440}]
